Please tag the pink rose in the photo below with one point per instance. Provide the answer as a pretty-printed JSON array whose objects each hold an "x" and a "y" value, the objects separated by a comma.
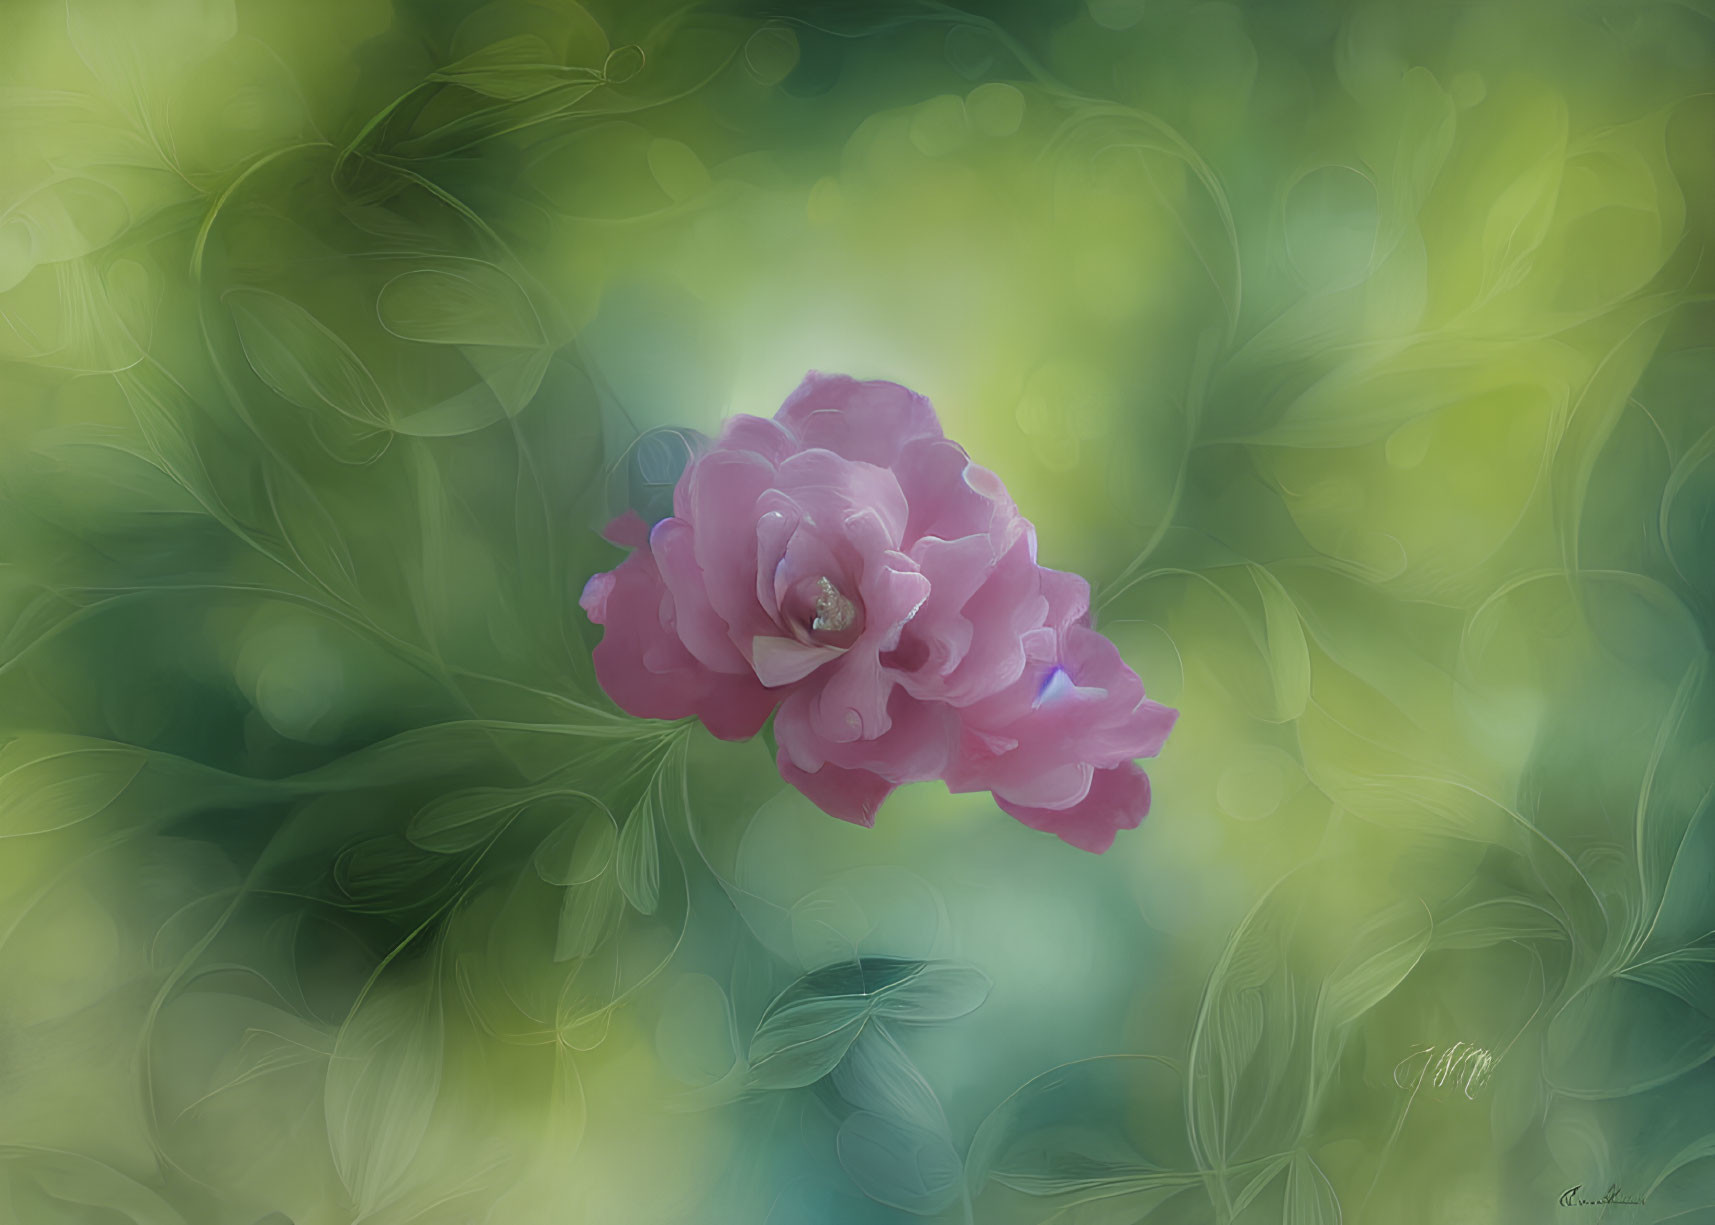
[{"x": 848, "y": 567}]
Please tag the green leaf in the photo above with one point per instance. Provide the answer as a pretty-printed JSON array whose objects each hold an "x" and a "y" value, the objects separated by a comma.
[
  {"x": 587, "y": 916},
  {"x": 1256, "y": 1182},
  {"x": 1688, "y": 974},
  {"x": 1386, "y": 950},
  {"x": 1490, "y": 923},
  {"x": 1288, "y": 654},
  {"x": 1520, "y": 213},
  {"x": 63, "y": 219},
  {"x": 580, "y": 850},
  {"x": 864, "y": 977},
  {"x": 47, "y": 1187},
  {"x": 1631, "y": 1033},
  {"x": 807, "y": 1030},
  {"x": 49, "y": 782},
  {"x": 1075, "y": 1128},
  {"x": 135, "y": 483},
  {"x": 460, "y": 302},
  {"x": 798, "y": 1044},
  {"x": 297, "y": 356},
  {"x": 877, "y": 1076},
  {"x": 899, "y": 1163},
  {"x": 385, "y": 873},
  {"x": 941, "y": 991},
  {"x": 637, "y": 862},
  {"x": 312, "y": 534},
  {"x": 506, "y": 381},
  {"x": 1700, "y": 1149},
  {"x": 462, "y": 819},
  {"x": 474, "y": 128},
  {"x": 1310, "y": 1198},
  {"x": 514, "y": 68},
  {"x": 622, "y": 63},
  {"x": 1247, "y": 1074},
  {"x": 383, "y": 1081}
]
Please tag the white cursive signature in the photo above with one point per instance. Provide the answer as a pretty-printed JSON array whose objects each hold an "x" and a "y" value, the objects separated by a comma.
[{"x": 1462, "y": 1064}]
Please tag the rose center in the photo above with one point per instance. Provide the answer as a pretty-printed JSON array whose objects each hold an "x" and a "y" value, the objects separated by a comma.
[{"x": 834, "y": 612}]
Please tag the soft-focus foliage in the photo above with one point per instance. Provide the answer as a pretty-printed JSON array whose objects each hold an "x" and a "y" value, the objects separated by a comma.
[{"x": 1358, "y": 353}]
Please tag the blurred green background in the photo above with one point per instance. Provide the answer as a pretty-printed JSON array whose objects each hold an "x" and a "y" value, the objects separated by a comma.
[{"x": 1360, "y": 355}]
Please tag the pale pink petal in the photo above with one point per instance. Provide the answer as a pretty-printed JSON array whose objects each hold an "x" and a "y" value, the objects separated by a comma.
[
  {"x": 719, "y": 495},
  {"x": 1083, "y": 706},
  {"x": 866, "y": 421},
  {"x": 785, "y": 661},
  {"x": 938, "y": 637},
  {"x": 951, "y": 497},
  {"x": 1068, "y": 598},
  {"x": 829, "y": 488},
  {"x": 779, "y": 520},
  {"x": 702, "y": 630},
  {"x": 1004, "y": 609},
  {"x": 595, "y": 596},
  {"x": 893, "y": 590},
  {"x": 1117, "y": 799},
  {"x": 758, "y": 435},
  {"x": 852, "y": 703},
  {"x": 918, "y": 744},
  {"x": 1034, "y": 785}
]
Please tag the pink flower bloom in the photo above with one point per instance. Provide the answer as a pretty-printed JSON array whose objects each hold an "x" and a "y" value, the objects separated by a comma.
[{"x": 849, "y": 569}]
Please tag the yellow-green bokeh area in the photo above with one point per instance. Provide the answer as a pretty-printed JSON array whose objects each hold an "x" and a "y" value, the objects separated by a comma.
[{"x": 1360, "y": 355}]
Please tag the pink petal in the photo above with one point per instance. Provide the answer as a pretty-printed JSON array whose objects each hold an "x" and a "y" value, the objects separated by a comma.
[
  {"x": 829, "y": 488},
  {"x": 595, "y": 596},
  {"x": 810, "y": 555},
  {"x": 852, "y": 704},
  {"x": 1141, "y": 726},
  {"x": 719, "y": 496},
  {"x": 870, "y": 421},
  {"x": 784, "y": 661},
  {"x": 758, "y": 435},
  {"x": 1117, "y": 799},
  {"x": 1048, "y": 785},
  {"x": 893, "y": 591},
  {"x": 918, "y": 744},
  {"x": 702, "y": 630},
  {"x": 938, "y": 637},
  {"x": 733, "y": 707},
  {"x": 850, "y": 795},
  {"x": 773, "y": 531},
  {"x": 1068, "y": 598},
  {"x": 1004, "y": 609},
  {"x": 951, "y": 497},
  {"x": 642, "y": 664},
  {"x": 628, "y": 531}
]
